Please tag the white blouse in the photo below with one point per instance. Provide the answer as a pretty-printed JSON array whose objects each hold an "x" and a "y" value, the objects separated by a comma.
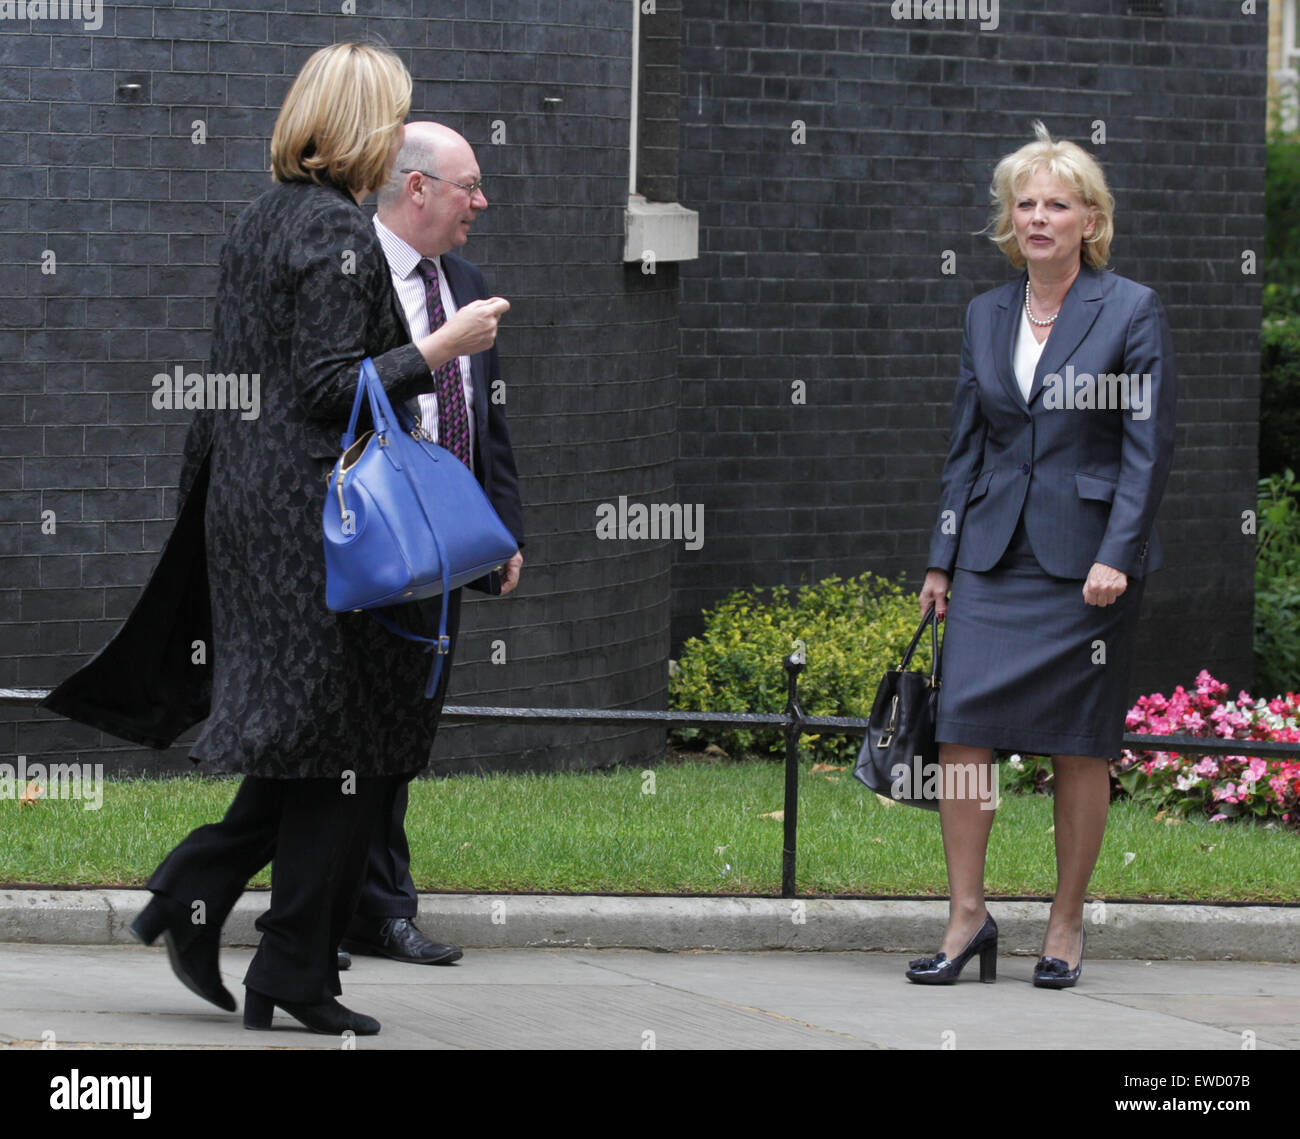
[{"x": 1028, "y": 351}]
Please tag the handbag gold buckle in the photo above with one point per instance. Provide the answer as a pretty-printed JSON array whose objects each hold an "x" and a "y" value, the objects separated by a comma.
[{"x": 888, "y": 736}]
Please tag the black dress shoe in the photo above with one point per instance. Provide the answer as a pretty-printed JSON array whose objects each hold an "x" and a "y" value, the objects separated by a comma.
[
  {"x": 1053, "y": 973},
  {"x": 195, "y": 966},
  {"x": 940, "y": 970},
  {"x": 327, "y": 1016},
  {"x": 400, "y": 939},
  {"x": 345, "y": 960}
]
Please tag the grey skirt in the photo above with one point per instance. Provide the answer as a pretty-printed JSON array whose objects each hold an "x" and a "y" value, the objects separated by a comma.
[{"x": 1029, "y": 666}]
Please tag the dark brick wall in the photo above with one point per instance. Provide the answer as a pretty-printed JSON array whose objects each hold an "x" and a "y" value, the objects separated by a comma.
[
  {"x": 135, "y": 213},
  {"x": 821, "y": 261},
  {"x": 659, "y": 113}
]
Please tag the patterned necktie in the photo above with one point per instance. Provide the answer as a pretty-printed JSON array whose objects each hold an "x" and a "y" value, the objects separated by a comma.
[{"x": 453, "y": 416}]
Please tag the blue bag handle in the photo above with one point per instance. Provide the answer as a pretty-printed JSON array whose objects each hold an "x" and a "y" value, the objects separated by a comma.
[
  {"x": 381, "y": 414},
  {"x": 368, "y": 384}
]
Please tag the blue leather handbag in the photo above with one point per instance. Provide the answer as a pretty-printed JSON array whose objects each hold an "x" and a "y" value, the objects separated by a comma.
[{"x": 404, "y": 520}]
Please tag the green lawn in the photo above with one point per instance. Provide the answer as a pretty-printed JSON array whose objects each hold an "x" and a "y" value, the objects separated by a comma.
[{"x": 698, "y": 832}]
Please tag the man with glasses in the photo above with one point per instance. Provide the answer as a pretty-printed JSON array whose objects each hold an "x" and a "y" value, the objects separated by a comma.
[{"x": 425, "y": 211}]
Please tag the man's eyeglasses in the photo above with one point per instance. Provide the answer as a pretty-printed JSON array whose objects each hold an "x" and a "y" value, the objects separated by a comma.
[{"x": 472, "y": 189}]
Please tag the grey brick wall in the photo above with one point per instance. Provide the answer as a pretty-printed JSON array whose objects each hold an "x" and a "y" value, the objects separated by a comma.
[
  {"x": 821, "y": 261},
  {"x": 659, "y": 117},
  {"x": 135, "y": 213}
]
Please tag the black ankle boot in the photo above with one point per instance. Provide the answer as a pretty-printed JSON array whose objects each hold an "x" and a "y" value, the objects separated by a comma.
[
  {"x": 196, "y": 965},
  {"x": 327, "y": 1016},
  {"x": 939, "y": 970}
]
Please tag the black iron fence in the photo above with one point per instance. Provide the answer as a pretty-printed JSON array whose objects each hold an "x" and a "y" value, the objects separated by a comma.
[{"x": 792, "y": 721}]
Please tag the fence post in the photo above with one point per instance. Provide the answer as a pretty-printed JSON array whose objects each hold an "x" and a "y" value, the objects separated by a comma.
[{"x": 793, "y": 730}]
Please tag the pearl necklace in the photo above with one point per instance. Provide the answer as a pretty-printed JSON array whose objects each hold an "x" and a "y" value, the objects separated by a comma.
[{"x": 1029, "y": 312}]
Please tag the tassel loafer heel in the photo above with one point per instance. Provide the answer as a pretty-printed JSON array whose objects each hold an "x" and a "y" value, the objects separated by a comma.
[
  {"x": 327, "y": 1017},
  {"x": 941, "y": 970},
  {"x": 1053, "y": 973}
]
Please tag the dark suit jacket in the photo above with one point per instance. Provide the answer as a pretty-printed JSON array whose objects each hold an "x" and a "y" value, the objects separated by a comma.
[
  {"x": 494, "y": 461},
  {"x": 1087, "y": 479},
  {"x": 289, "y": 689}
]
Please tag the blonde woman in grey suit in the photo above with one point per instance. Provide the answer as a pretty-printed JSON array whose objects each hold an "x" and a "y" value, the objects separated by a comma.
[{"x": 1062, "y": 437}]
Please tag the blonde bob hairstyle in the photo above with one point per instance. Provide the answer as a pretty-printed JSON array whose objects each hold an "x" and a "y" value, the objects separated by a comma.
[
  {"x": 1074, "y": 168},
  {"x": 341, "y": 117}
]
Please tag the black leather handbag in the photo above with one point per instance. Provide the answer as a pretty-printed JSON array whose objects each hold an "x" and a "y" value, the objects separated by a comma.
[{"x": 899, "y": 757}]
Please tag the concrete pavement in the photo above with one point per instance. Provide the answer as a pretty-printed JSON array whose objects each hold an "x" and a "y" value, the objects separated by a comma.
[
  {"x": 114, "y": 996},
  {"x": 561, "y": 972}
]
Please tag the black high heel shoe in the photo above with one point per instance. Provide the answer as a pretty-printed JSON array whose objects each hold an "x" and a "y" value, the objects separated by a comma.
[
  {"x": 1053, "y": 973},
  {"x": 195, "y": 966},
  {"x": 939, "y": 970},
  {"x": 327, "y": 1016}
]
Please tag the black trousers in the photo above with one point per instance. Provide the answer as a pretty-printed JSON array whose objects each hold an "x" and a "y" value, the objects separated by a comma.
[
  {"x": 318, "y": 831},
  {"x": 388, "y": 891}
]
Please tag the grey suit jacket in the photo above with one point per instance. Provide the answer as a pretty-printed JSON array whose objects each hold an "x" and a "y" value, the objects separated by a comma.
[{"x": 1085, "y": 458}]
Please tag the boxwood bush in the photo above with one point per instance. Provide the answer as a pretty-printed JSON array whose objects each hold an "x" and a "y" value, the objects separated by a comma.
[
  {"x": 850, "y": 632},
  {"x": 1279, "y": 395},
  {"x": 1277, "y": 585}
]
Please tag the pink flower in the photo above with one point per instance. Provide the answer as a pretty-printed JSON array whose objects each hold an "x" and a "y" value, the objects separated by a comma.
[
  {"x": 1205, "y": 682},
  {"x": 1206, "y": 710}
]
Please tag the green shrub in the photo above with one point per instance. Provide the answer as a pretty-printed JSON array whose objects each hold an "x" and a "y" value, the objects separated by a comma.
[
  {"x": 852, "y": 631},
  {"x": 1282, "y": 225},
  {"x": 1279, "y": 394},
  {"x": 1277, "y": 585}
]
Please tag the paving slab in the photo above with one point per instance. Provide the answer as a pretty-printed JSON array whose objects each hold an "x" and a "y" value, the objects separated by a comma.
[{"x": 117, "y": 996}]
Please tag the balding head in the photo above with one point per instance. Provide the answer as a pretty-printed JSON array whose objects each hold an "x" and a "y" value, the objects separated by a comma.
[{"x": 428, "y": 206}]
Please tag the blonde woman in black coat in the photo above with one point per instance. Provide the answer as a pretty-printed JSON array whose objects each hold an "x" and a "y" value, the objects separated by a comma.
[{"x": 321, "y": 712}]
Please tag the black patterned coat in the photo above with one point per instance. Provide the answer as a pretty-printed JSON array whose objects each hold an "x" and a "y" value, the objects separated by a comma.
[{"x": 290, "y": 690}]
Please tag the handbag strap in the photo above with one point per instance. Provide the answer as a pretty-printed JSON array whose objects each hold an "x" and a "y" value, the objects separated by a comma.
[
  {"x": 368, "y": 384},
  {"x": 935, "y": 648}
]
